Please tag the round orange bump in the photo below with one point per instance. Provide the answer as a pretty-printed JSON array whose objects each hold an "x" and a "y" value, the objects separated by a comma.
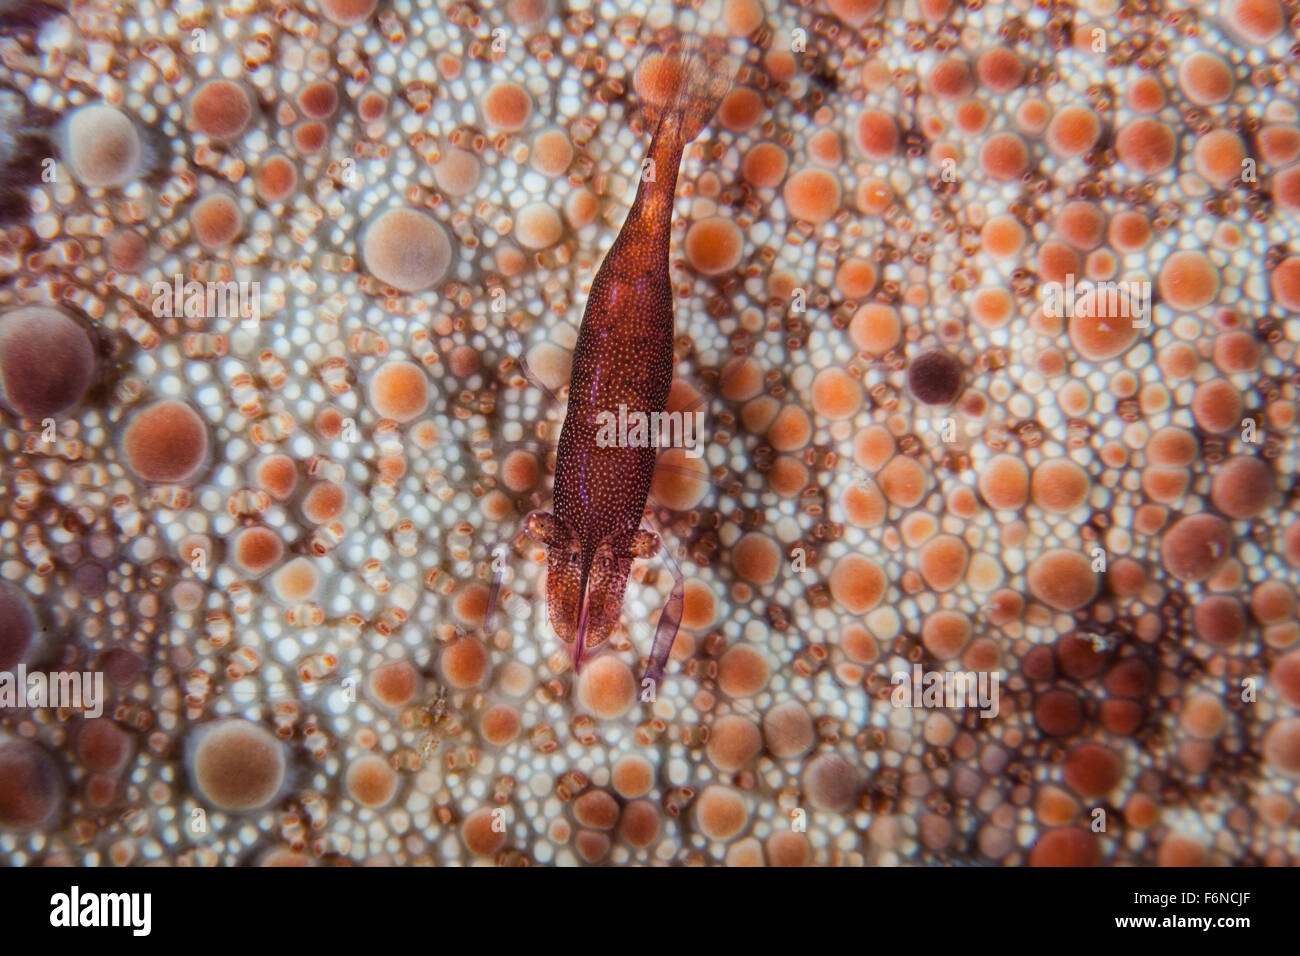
[
  {"x": 237, "y": 765},
  {"x": 788, "y": 730},
  {"x": 742, "y": 671},
  {"x": 790, "y": 430},
  {"x": 951, "y": 79},
  {"x": 1285, "y": 283},
  {"x": 1282, "y": 747},
  {"x": 854, "y": 12},
  {"x": 1205, "y": 78},
  {"x": 1219, "y": 156},
  {"x": 875, "y": 328},
  {"x": 1102, "y": 326},
  {"x": 277, "y": 476},
  {"x": 470, "y": 605},
  {"x": 813, "y": 195},
  {"x": 679, "y": 483},
  {"x": 903, "y": 481},
  {"x": 1257, "y": 20},
  {"x": 318, "y": 100},
  {"x": 1286, "y": 188},
  {"x": 500, "y": 725},
  {"x": 1059, "y": 485},
  {"x": 713, "y": 245},
  {"x": 1195, "y": 546},
  {"x": 857, "y": 584},
  {"x": 520, "y": 471},
  {"x": 788, "y": 848},
  {"x": 1065, "y": 846},
  {"x": 1129, "y": 231},
  {"x": 296, "y": 581},
  {"x": 596, "y": 809},
  {"x": 257, "y": 549},
  {"x": 216, "y": 220},
  {"x": 607, "y": 687},
  {"x": 481, "y": 837},
  {"x": 943, "y": 561},
  {"x": 1219, "y": 619},
  {"x": 371, "y": 781},
  {"x": 788, "y": 476},
  {"x": 457, "y": 171},
  {"x": 1243, "y": 487},
  {"x": 1004, "y": 482},
  {"x": 1272, "y": 601},
  {"x": 1073, "y": 131},
  {"x": 324, "y": 502},
  {"x": 945, "y": 633},
  {"x": 221, "y": 109},
  {"x": 657, "y": 78},
  {"x": 855, "y": 278},
  {"x": 399, "y": 390},
  {"x": 1146, "y": 146},
  {"x": 538, "y": 226},
  {"x": 464, "y": 663},
  {"x": 830, "y": 783},
  {"x": 740, "y": 109},
  {"x": 47, "y": 361},
  {"x": 552, "y": 152},
  {"x": 756, "y": 558},
  {"x": 1285, "y": 678},
  {"x": 1146, "y": 95},
  {"x": 1005, "y": 157},
  {"x": 720, "y": 812},
  {"x": 877, "y": 134},
  {"x": 765, "y": 165},
  {"x": 31, "y": 786},
  {"x": 125, "y": 250},
  {"x": 632, "y": 776},
  {"x": 406, "y": 249},
  {"x": 1217, "y": 406},
  {"x": 1000, "y": 69},
  {"x": 1003, "y": 236},
  {"x": 1058, "y": 713},
  {"x": 1081, "y": 224},
  {"x": 639, "y": 825},
  {"x": 16, "y": 626},
  {"x": 1092, "y": 770},
  {"x": 1172, "y": 446},
  {"x": 1061, "y": 579},
  {"x": 507, "y": 107},
  {"x": 742, "y": 17},
  {"x": 102, "y": 147},
  {"x": 836, "y": 394},
  {"x": 102, "y": 745},
  {"x": 864, "y": 505},
  {"x": 733, "y": 742},
  {"x": 166, "y": 442},
  {"x": 276, "y": 179},
  {"x": 395, "y": 683}
]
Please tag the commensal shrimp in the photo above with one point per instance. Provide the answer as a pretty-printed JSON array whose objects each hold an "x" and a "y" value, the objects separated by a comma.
[{"x": 624, "y": 360}]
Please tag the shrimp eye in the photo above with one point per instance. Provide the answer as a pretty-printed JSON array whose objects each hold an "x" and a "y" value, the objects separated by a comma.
[
  {"x": 544, "y": 527},
  {"x": 645, "y": 544}
]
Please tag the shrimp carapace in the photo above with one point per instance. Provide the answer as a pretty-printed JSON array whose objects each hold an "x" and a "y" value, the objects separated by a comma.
[{"x": 623, "y": 365}]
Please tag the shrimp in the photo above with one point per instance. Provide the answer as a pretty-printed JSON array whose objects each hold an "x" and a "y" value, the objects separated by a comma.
[{"x": 623, "y": 360}]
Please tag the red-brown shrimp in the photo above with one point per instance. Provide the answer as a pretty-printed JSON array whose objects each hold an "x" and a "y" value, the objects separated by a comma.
[{"x": 623, "y": 364}]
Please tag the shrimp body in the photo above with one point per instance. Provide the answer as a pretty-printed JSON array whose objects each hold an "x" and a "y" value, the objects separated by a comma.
[{"x": 622, "y": 364}]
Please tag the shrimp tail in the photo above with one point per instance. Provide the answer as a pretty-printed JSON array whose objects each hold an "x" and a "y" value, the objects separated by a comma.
[{"x": 682, "y": 81}]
